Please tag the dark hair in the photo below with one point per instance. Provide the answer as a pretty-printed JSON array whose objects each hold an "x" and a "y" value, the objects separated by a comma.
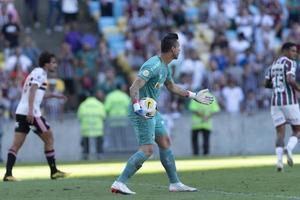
[
  {"x": 45, "y": 57},
  {"x": 287, "y": 46},
  {"x": 169, "y": 41}
]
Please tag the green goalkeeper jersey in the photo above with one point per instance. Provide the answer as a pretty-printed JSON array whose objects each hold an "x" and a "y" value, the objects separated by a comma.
[{"x": 155, "y": 73}]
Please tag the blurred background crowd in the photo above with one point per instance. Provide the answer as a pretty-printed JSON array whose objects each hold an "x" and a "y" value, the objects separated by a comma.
[{"x": 100, "y": 44}]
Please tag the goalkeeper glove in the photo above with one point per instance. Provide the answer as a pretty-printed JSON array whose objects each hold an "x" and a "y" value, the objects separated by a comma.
[
  {"x": 137, "y": 109},
  {"x": 202, "y": 96}
]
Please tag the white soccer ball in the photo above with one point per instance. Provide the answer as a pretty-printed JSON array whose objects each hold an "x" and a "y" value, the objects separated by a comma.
[{"x": 149, "y": 105}]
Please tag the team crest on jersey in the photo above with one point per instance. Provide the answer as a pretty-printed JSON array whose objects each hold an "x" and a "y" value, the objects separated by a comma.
[{"x": 146, "y": 73}]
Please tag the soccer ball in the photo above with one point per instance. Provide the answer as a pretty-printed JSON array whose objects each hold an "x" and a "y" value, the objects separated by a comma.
[{"x": 149, "y": 105}]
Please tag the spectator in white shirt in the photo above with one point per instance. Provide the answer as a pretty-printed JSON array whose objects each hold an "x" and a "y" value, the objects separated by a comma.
[
  {"x": 18, "y": 58},
  {"x": 195, "y": 67},
  {"x": 233, "y": 97},
  {"x": 70, "y": 9},
  {"x": 240, "y": 44},
  {"x": 244, "y": 22}
]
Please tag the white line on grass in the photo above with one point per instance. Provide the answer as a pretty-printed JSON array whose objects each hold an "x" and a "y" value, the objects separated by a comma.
[{"x": 253, "y": 195}]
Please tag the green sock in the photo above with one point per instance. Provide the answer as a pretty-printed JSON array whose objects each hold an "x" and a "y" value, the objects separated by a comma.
[
  {"x": 134, "y": 163},
  {"x": 168, "y": 161}
]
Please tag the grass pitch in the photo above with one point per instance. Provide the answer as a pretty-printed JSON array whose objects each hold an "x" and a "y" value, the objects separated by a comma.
[{"x": 217, "y": 178}]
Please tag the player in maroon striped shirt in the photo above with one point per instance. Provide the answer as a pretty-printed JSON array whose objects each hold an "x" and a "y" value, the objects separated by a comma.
[{"x": 280, "y": 77}]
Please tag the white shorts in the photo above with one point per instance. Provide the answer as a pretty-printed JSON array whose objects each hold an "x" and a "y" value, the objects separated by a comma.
[{"x": 285, "y": 114}]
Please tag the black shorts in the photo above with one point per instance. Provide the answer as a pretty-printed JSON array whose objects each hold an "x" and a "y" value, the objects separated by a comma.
[{"x": 39, "y": 125}]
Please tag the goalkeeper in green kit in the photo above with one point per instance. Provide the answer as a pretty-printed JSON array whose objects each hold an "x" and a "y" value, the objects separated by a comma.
[{"x": 153, "y": 74}]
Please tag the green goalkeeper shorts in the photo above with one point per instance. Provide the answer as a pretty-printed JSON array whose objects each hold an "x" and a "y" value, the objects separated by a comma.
[{"x": 147, "y": 129}]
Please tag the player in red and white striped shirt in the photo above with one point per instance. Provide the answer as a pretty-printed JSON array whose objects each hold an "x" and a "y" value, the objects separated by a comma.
[{"x": 280, "y": 76}]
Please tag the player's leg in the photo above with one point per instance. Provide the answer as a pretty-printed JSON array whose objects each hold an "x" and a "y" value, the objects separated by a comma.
[
  {"x": 167, "y": 158},
  {"x": 47, "y": 138},
  {"x": 144, "y": 130},
  {"x": 42, "y": 129},
  {"x": 293, "y": 140},
  {"x": 168, "y": 161},
  {"x": 133, "y": 164},
  {"x": 293, "y": 117},
  {"x": 195, "y": 146},
  {"x": 280, "y": 131},
  {"x": 279, "y": 120},
  {"x": 206, "y": 134},
  {"x": 21, "y": 131},
  {"x": 19, "y": 139}
]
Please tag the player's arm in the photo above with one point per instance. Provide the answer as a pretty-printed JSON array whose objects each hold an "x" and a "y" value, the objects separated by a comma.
[
  {"x": 134, "y": 92},
  {"x": 291, "y": 81},
  {"x": 268, "y": 83},
  {"x": 268, "y": 79},
  {"x": 135, "y": 88},
  {"x": 172, "y": 87},
  {"x": 32, "y": 92},
  {"x": 202, "y": 96}
]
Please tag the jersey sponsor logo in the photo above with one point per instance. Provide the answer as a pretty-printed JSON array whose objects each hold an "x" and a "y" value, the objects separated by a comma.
[{"x": 146, "y": 73}]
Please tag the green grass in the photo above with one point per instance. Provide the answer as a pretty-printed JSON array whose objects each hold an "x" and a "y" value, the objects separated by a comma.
[{"x": 217, "y": 178}]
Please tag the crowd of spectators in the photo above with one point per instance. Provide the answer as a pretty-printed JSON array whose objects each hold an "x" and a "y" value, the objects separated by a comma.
[
  {"x": 84, "y": 63},
  {"x": 225, "y": 46}
]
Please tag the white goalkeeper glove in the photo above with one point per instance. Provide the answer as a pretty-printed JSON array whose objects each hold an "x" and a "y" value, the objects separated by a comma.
[
  {"x": 137, "y": 109},
  {"x": 202, "y": 96}
]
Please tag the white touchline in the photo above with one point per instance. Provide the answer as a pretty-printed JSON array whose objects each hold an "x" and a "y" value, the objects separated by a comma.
[{"x": 254, "y": 195}]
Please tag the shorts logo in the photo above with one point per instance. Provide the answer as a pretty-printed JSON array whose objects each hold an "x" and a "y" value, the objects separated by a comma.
[
  {"x": 33, "y": 128},
  {"x": 279, "y": 119},
  {"x": 146, "y": 73},
  {"x": 17, "y": 125}
]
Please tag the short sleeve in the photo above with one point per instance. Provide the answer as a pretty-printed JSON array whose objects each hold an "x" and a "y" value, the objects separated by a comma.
[
  {"x": 291, "y": 67},
  {"x": 146, "y": 73},
  {"x": 37, "y": 78}
]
